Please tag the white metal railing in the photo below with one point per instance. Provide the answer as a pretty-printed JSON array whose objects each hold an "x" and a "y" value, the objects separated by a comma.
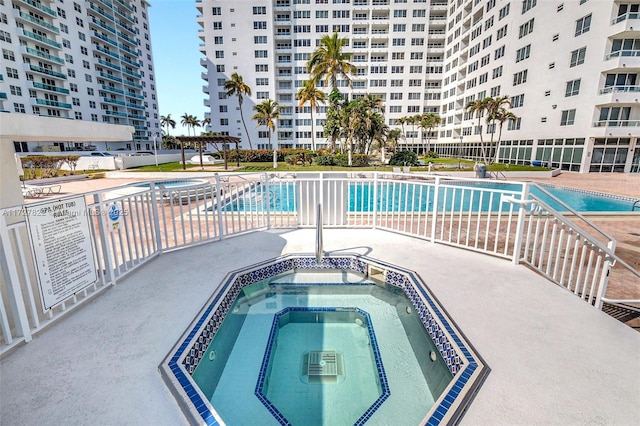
[{"x": 499, "y": 219}]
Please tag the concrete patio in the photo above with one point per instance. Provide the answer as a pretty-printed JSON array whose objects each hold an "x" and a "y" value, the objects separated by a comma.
[{"x": 553, "y": 358}]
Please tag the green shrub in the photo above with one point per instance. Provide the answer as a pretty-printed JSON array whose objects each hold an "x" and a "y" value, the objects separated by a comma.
[{"x": 404, "y": 158}]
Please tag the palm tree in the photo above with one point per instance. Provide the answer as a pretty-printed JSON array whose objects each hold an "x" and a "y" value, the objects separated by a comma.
[
  {"x": 494, "y": 105},
  {"x": 328, "y": 61},
  {"x": 428, "y": 122},
  {"x": 266, "y": 113},
  {"x": 479, "y": 107},
  {"x": 502, "y": 116},
  {"x": 402, "y": 121},
  {"x": 185, "y": 122},
  {"x": 167, "y": 121},
  {"x": 310, "y": 93},
  {"x": 236, "y": 86}
]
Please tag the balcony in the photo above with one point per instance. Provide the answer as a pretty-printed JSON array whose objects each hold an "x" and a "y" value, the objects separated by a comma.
[
  {"x": 110, "y": 77},
  {"x": 616, "y": 123},
  {"x": 100, "y": 11},
  {"x": 113, "y": 101},
  {"x": 42, "y": 55},
  {"x": 135, "y": 106},
  {"x": 41, "y": 39},
  {"x": 39, "y": 7},
  {"x": 131, "y": 73},
  {"x": 3, "y": 95},
  {"x": 205, "y": 89},
  {"x": 38, "y": 22},
  {"x": 126, "y": 5},
  {"x": 134, "y": 96},
  {"x": 136, "y": 117},
  {"x": 101, "y": 24},
  {"x": 55, "y": 104},
  {"x": 115, "y": 113},
  {"x": 129, "y": 61},
  {"x": 625, "y": 17},
  {"x": 47, "y": 71},
  {"x": 105, "y": 38},
  {"x": 112, "y": 89},
  {"x": 50, "y": 87},
  {"x": 107, "y": 52},
  {"x": 126, "y": 26},
  {"x": 128, "y": 50},
  {"x": 132, "y": 84},
  {"x": 109, "y": 65}
]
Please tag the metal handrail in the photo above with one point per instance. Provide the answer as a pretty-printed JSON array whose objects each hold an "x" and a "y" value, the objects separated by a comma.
[
  {"x": 319, "y": 234},
  {"x": 563, "y": 204}
]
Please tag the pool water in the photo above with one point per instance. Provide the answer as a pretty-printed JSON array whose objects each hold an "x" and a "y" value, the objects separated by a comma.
[
  {"x": 407, "y": 197},
  {"x": 236, "y": 358}
]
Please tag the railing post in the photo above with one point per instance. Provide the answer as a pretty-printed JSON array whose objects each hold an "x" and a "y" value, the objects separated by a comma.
[
  {"x": 319, "y": 234},
  {"x": 268, "y": 195},
  {"x": 375, "y": 199},
  {"x": 12, "y": 281},
  {"x": 434, "y": 219},
  {"x": 156, "y": 218},
  {"x": 218, "y": 205},
  {"x": 604, "y": 275},
  {"x": 105, "y": 235},
  {"x": 518, "y": 238}
]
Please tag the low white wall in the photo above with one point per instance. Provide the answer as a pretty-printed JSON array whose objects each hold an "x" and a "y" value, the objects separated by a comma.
[{"x": 146, "y": 160}]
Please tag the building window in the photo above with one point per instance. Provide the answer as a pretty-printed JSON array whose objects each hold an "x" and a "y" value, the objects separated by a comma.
[
  {"x": 259, "y": 10},
  {"x": 517, "y": 101},
  {"x": 583, "y": 25},
  {"x": 499, "y": 53},
  {"x": 527, "y": 5},
  {"x": 217, "y": 25},
  {"x": 19, "y": 108},
  {"x": 216, "y": 11},
  {"x": 568, "y": 117},
  {"x": 526, "y": 28},
  {"x": 495, "y": 91},
  {"x": 577, "y": 57},
  {"x": 520, "y": 77},
  {"x": 260, "y": 25},
  {"x": 573, "y": 88},
  {"x": 523, "y": 53}
]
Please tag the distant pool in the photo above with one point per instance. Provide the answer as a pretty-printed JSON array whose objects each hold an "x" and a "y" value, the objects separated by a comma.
[
  {"x": 175, "y": 183},
  {"x": 411, "y": 197}
]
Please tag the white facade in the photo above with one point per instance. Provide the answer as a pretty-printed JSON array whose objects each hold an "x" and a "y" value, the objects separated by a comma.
[
  {"x": 571, "y": 69},
  {"x": 82, "y": 60}
]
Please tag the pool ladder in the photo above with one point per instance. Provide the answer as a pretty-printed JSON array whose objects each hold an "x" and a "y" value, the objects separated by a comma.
[
  {"x": 636, "y": 204},
  {"x": 319, "y": 234}
]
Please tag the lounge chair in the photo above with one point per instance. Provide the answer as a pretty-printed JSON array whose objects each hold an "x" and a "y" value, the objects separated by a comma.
[
  {"x": 45, "y": 189},
  {"x": 30, "y": 192}
]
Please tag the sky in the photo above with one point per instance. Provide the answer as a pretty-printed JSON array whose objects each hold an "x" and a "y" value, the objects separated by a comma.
[{"x": 176, "y": 55}]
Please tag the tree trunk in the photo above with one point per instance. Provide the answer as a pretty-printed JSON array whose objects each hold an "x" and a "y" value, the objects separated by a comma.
[{"x": 245, "y": 127}]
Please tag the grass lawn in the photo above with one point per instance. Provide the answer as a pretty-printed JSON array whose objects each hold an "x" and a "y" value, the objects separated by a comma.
[{"x": 448, "y": 164}]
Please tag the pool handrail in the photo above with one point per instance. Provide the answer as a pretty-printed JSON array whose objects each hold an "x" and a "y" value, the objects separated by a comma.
[{"x": 571, "y": 210}]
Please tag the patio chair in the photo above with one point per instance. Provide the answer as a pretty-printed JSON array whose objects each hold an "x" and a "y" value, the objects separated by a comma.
[{"x": 45, "y": 189}]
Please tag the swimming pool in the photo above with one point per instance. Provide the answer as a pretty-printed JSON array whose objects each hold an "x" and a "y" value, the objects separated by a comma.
[
  {"x": 410, "y": 197},
  {"x": 346, "y": 342},
  {"x": 173, "y": 183}
]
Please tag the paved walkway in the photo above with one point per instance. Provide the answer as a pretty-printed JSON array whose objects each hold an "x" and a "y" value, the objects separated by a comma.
[{"x": 554, "y": 359}]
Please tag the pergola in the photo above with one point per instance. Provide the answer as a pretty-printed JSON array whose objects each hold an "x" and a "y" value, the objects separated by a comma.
[{"x": 213, "y": 139}]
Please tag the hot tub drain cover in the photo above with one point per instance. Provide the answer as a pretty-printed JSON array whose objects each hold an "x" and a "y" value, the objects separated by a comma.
[{"x": 323, "y": 366}]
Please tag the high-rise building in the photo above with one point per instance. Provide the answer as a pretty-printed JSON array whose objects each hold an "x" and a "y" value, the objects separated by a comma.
[
  {"x": 570, "y": 69},
  {"x": 80, "y": 60}
]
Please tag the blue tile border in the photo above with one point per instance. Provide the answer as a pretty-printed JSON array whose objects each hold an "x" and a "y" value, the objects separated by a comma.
[{"x": 464, "y": 363}]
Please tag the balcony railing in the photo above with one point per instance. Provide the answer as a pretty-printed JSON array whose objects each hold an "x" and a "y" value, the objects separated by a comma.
[
  {"x": 50, "y": 87},
  {"x": 630, "y": 15},
  {"x": 53, "y": 103},
  {"x": 43, "y": 55},
  {"x": 110, "y": 77},
  {"x": 623, "y": 53},
  {"x": 42, "y": 39},
  {"x": 41, "y": 7},
  {"x": 47, "y": 71},
  {"x": 103, "y": 25},
  {"x": 100, "y": 11},
  {"x": 39, "y": 22},
  {"x": 113, "y": 101},
  {"x": 105, "y": 38},
  {"x": 620, "y": 89},
  {"x": 112, "y": 89},
  {"x": 616, "y": 123}
]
